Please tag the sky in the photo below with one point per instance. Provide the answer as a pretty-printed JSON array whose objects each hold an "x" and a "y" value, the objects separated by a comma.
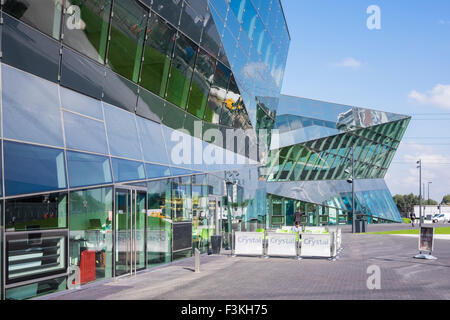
[{"x": 403, "y": 67}]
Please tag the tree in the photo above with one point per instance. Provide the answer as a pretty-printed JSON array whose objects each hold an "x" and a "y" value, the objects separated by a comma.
[
  {"x": 405, "y": 203},
  {"x": 430, "y": 202},
  {"x": 446, "y": 199}
]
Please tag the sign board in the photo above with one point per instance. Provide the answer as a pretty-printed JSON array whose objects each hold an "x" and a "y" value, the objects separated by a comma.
[
  {"x": 282, "y": 244},
  {"x": 426, "y": 239},
  {"x": 316, "y": 245},
  {"x": 248, "y": 243},
  {"x": 315, "y": 229}
]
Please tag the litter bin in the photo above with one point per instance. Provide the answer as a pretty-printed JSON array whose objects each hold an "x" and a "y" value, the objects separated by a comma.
[
  {"x": 216, "y": 244},
  {"x": 360, "y": 226}
]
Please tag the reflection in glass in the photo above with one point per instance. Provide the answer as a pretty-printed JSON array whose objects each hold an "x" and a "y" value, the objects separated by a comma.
[
  {"x": 191, "y": 22},
  {"x": 217, "y": 93},
  {"x": 79, "y": 103},
  {"x": 91, "y": 233},
  {"x": 181, "y": 71},
  {"x": 84, "y": 133},
  {"x": 181, "y": 199},
  {"x": 47, "y": 211},
  {"x": 31, "y": 168},
  {"x": 169, "y": 10},
  {"x": 159, "y": 227},
  {"x": 31, "y": 12},
  {"x": 29, "y": 50},
  {"x": 125, "y": 170},
  {"x": 157, "y": 55},
  {"x": 201, "y": 83},
  {"x": 87, "y": 169},
  {"x": 24, "y": 113},
  {"x": 152, "y": 139},
  {"x": 127, "y": 36},
  {"x": 86, "y": 27}
]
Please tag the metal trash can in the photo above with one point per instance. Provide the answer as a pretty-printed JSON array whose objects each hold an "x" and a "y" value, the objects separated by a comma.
[
  {"x": 216, "y": 244},
  {"x": 360, "y": 226}
]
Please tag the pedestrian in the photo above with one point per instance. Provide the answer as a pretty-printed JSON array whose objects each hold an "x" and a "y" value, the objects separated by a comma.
[
  {"x": 297, "y": 227},
  {"x": 413, "y": 218},
  {"x": 297, "y": 217}
]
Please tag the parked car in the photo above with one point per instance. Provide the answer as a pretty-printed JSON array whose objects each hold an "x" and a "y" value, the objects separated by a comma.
[{"x": 440, "y": 218}]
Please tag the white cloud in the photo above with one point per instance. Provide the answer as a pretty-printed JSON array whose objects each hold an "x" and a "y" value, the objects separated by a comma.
[
  {"x": 439, "y": 96},
  {"x": 348, "y": 63}
]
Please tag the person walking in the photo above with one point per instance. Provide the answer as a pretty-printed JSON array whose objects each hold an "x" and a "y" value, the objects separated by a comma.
[
  {"x": 413, "y": 218},
  {"x": 297, "y": 217}
]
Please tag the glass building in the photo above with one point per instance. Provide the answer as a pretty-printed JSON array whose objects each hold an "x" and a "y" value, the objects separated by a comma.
[{"x": 132, "y": 131}]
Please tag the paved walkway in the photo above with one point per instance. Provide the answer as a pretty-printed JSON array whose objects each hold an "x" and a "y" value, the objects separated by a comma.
[{"x": 224, "y": 277}]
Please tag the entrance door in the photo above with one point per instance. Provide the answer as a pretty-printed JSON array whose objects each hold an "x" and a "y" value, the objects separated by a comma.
[{"x": 130, "y": 216}]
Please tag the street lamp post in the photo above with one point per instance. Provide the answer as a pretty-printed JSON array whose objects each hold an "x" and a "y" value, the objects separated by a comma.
[
  {"x": 420, "y": 191},
  {"x": 352, "y": 181},
  {"x": 429, "y": 182}
]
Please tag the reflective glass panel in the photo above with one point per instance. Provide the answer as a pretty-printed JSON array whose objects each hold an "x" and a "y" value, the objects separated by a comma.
[
  {"x": 86, "y": 27},
  {"x": 30, "y": 169},
  {"x": 211, "y": 38},
  {"x": 201, "y": 84},
  {"x": 191, "y": 22},
  {"x": 87, "y": 169},
  {"x": 156, "y": 171},
  {"x": 122, "y": 133},
  {"x": 127, "y": 36},
  {"x": 181, "y": 71},
  {"x": 119, "y": 91},
  {"x": 34, "y": 116},
  {"x": 152, "y": 139},
  {"x": 84, "y": 134},
  {"x": 47, "y": 211},
  {"x": 169, "y": 10},
  {"x": 150, "y": 105},
  {"x": 29, "y": 50},
  {"x": 44, "y": 15},
  {"x": 90, "y": 244},
  {"x": 80, "y": 103},
  {"x": 125, "y": 170},
  {"x": 217, "y": 93},
  {"x": 157, "y": 55},
  {"x": 81, "y": 74}
]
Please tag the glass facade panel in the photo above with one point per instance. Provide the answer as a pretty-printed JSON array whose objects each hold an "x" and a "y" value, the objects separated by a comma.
[
  {"x": 23, "y": 113},
  {"x": 181, "y": 71},
  {"x": 122, "y": 133},
  {"x": 181, "y": 199},
  {"x": 79, "y": 103},
  {"x": 29, "y": 50},
  {"x": 119, "y": 91},
  {"x": 159, "y": 227},
  {"x": 150, "y": 106},
  {"x": 81, "y": 74},
  {"x": 44, "y": 15},
  {"x": 84, "y": 133},
  {"x": 169, "y": 10},
  {"x": 86, "y": 25},
  {"x": 128, "y": 29},
  {"x": 156, "y": 171},
  {"x": 91, "y": 233},
  {"x": 201, "y": 84},
  {"x": 125, "y": 170},
  {"x": 46, "y": 211},
  {"x": 151, "y": 138},
  {"x": 191, "y": 22},
  {"x": 157, "y": 55},
  {"x": 217, "y": 93},
  {"x": 87, "y": 169},
  {"x": 30, "y": 169}
]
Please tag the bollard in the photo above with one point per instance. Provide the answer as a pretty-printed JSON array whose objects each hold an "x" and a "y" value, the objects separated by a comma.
[{"x": 197, "y": 260}]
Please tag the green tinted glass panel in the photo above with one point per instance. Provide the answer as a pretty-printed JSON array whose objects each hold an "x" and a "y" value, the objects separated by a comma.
[
  {"x": 181, "y": 71},
  {"x": 217, "y": 93},
  {"x": 127, "y": 36},
  {"x": 157, "y": 53},
  {"x": 86, "y": 25},
  {"x": 201, "y": 83}
]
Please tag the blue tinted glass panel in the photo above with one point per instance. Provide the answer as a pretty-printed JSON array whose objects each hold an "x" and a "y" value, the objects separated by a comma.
[
  {"x": 31, "y": 109},
  {"x": 80, "y": 103},
  {"x": 179, "y": 171},
  {"x": 122, "y": 133},
  {"x": 81, "y": 74},
  {"x": 30, "y": 169},
  {"x": 125, "y": 170},
  {"x": 84, "y": 133},
  {"x": 119, "y": 91},
  {"x": 220, "y": 6},
  {"x": 87, "y": 169},
  {"x": 152, "y": 141},
  {"x": 155, "y": 171},
  {"x": 29, "y": 50}
]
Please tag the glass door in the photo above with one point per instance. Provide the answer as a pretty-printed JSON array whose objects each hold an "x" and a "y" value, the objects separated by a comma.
[{"x": 130, "y": 213}]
